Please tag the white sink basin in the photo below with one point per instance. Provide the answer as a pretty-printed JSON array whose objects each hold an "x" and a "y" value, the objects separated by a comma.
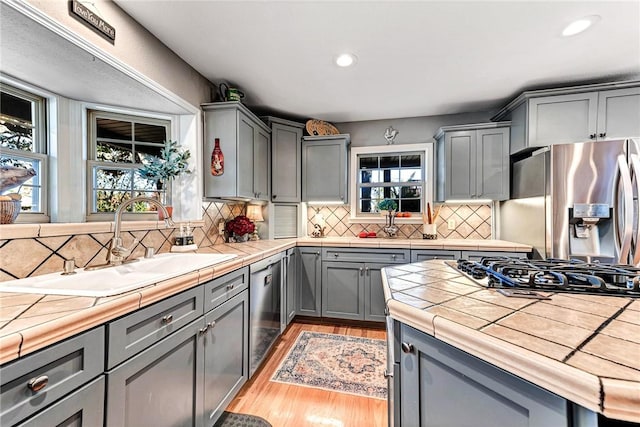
[{"x": 115, "y": 280}]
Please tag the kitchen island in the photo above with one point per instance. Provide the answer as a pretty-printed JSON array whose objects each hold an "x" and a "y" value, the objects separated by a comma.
[{"x": 583, "y": 348}]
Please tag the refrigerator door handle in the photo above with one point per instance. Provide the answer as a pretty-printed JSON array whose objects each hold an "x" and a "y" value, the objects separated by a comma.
[
  {"x": 635, "y": 214},
  {"x": 624, "y": 230}
]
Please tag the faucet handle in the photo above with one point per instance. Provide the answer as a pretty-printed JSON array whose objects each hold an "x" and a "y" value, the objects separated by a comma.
[{"x": 122, "y": 252}]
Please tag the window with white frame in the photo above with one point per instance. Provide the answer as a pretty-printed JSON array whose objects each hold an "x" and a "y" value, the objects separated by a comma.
[
  {"x": 118, "y": 144},
  {"x": 402, "y": 173},
  {"x": 23, "y": 147}
]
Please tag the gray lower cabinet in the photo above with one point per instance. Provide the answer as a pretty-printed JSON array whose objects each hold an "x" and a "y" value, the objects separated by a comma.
[
  {"x": 30, "y": 384},
  {"x": 324, "y": 168},
  {"x": 161, "y": 386},
  {"x": 290, "y": 268},
  {"x": 343, "y": 290},
  {"x": 418, "y": 255},
  {"x": 309, "y": 281},
  {"x": 83, "y": 408},
  {"x": 226, "y": 361},
  {"x": 473, "y": 162},
  {"x": 352, "y": 281},
  {"x": 478, "y": 255},
  {"x": 443, "y": 386}
]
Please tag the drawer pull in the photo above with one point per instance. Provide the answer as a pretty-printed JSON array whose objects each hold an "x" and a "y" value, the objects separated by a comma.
[
  {"x": 38, "y": 383},
  {"x": 407, "y": 347},
  {"x": 231, "y": 286},
  {"x": 335, "y": 255},
  {"x": 167, "y": 319},
  {"x": 205, "y": 329},
  {"x": 211, "y": 324},
  {"x": 393, "y": 256}
]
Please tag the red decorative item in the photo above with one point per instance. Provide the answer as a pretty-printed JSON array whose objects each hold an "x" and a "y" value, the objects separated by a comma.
[
  {"x": 240, "y": 225},
  {"x": 217, "y": 159}
]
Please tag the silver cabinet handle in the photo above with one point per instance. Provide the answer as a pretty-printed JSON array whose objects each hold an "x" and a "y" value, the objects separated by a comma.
[
  {"x": 38, "y": 383},
  {"x": 388, "y": 374},
  {"x": 211, "y": 324},
  {"x": 407, "y": 347},
  {"x": 393, "y": 256},
  {"x": 231, "y": 286},
  {"x": 205, "y": 329},
  {"x": 335, "y": 255},
  {"x": 366, "y": 269},
  {"x": 317, "y": 253},
  {"x": 167, "y": 319},
  {"x": 361, "y": 269}
]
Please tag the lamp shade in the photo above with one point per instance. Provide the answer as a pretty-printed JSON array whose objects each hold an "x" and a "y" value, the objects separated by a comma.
[{"x": 254, "y": 212}]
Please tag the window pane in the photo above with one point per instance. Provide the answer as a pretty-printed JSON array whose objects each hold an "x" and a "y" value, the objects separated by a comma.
[
  {"x": 113, "y": 179},
  {"x": 411, "y": 192},
  {"x": 114, "y": 152},
  {"x": 144, "y": 151},
  {"x": 114, "y": 129},
  {"x": 15, "y": 107},
  {"x": 368, "y": 162},
  {"x": 150, "y": 133},
  {"x": 16, "y": 122},
  {"x": 141, "y": 183},
  {"x": 410, "y": 175},
  {"x": 367, "y": 206},
  {"x": 109, "y": 200},
  {"x": 31, "y": 189},
  {"x": 411, "y": 161},
  {"x": 390, "y": 162},
  {"x": 412, "y": 205}
]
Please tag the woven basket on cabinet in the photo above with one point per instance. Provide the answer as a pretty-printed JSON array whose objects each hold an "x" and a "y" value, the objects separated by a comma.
[{"x": 9, "y": 210}]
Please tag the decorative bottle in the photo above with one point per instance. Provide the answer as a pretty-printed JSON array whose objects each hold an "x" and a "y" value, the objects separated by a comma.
[{"x": 217, "y": 159}]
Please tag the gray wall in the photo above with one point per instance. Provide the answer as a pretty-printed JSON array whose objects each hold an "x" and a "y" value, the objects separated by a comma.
[
  {"x": 136, "y": 47},
  {"x": 412, "y": 130}
]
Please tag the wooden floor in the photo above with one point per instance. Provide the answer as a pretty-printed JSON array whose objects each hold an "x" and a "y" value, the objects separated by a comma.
[{"x": 285, "y": 405}]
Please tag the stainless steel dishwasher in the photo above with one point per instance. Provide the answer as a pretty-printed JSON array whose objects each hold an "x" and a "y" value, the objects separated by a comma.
[{"x": 265, "y": 296}]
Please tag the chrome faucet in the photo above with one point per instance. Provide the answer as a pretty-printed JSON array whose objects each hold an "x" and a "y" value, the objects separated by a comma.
[{"x": 118, "y": 253}]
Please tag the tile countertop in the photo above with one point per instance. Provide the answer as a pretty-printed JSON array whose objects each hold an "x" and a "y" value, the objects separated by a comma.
[
  {"x": 585, "y": 348},
  {"x": 29, "y": 322}
]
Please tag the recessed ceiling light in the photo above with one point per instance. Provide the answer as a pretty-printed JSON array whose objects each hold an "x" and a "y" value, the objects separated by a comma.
[
  {"x": 346, "y": 60},
  {"x": 580, "y": 25}
]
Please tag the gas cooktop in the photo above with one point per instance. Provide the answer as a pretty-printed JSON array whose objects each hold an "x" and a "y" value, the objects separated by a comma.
[{"x": 555, "y": 275}]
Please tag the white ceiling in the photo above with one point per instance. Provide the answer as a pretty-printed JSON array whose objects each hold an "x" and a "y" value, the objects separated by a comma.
[{"x": 415, "y": 58}]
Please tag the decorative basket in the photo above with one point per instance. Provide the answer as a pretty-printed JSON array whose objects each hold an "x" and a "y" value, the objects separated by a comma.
[{"x": 9, "y": 210}]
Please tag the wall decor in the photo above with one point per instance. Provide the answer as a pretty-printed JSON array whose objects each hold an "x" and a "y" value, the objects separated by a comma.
[
  {"x": 217, "y": 159},
  {"x": 390, "y": 134},
  {"x": 94, "y": 21}
]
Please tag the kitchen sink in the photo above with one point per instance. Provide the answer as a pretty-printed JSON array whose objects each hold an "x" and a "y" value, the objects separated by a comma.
[{"x": 115, "y": 280}]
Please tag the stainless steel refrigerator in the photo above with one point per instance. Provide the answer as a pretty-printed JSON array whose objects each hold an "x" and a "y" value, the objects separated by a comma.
[{"x": 576, "y": 201}]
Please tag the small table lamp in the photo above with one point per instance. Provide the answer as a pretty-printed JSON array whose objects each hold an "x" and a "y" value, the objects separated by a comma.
[{"x": 254, "y": 213}]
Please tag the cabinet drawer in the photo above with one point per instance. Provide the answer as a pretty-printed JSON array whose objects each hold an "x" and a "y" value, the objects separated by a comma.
[
  {"x": 84, "y": 407},
  {"x": 478, "y": 255},
  {"x": 427, "y": 254},
  {"x": 223, "y": 288},
  {"x": 63, "y": 367},
  {"x": 387, "y": 256},
  {"x": 133, "y": 333}
]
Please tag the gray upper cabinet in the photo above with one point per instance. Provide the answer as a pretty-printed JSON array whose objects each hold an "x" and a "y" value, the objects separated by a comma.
[
  {"x": 569, "y": 115},
  {"x": 473, "y": 162},
  {"x": 245, "y": 143},
  {"x": 324, "y": 168},
  {"x": 286, "y": 160}
]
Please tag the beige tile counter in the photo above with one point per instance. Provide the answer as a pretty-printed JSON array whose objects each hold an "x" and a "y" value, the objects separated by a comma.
[
  {"x": 29, "y": 322},
  {"x": 585, "y": 348}
]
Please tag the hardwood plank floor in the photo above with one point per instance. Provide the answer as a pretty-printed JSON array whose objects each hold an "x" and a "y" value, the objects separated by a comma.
[{"x": 285, "y": 405}]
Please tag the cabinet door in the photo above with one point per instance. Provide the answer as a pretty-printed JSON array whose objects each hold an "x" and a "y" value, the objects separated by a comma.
[
  {"x": 162, "y": 386},
  {"x": 286, "y": 161},
  {"x": 427, "y": 254},
  {"x": 324, "y": 171},
  {"x": 343, "y": 290},
  {"x": 374, "y": 305},
  {"x": 492, "y": 173},
  {"x": 226, "y": 355},
  {"x": 460, "y": 164},
  {"x": 261, "y": 165},
  {"x": 562, "y": 119},
  {"x": 244, "y": 175},
  {"x": 291, "y": 286},
  {"x": 309, "y": 282},
  {"x": 436, "y": 378},
  {"x": 618, "y": 113},
  {"x": 83, "y": 408}
]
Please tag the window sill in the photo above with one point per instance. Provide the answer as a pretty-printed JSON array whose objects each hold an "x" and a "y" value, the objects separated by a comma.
[{"x": 382, "y": 220}]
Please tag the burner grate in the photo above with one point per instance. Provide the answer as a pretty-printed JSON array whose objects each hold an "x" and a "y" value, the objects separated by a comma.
[{"x": 556, "y": 275}]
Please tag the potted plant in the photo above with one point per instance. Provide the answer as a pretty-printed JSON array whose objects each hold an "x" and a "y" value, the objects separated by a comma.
[
  {"x": 387, "y": 205},
  {"x": 173, "y": 162}
]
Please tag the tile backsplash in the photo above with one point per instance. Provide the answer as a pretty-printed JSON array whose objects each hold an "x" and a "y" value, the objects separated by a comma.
[
  {"x": 33, "y": 256},
  {"x": 472, "y": 222}
]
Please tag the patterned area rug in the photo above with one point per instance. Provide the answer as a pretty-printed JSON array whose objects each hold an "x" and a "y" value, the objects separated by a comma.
[
  {"x": 230, "y": 419},
  {"x": 339, "y": 363}
]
